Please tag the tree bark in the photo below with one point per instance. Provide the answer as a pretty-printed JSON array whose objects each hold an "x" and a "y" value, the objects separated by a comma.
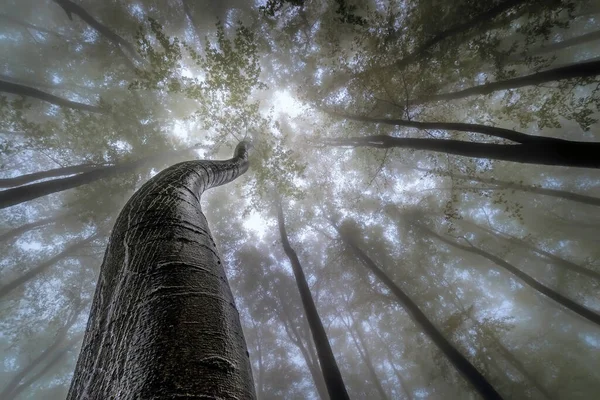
[
  {"x": 51, "y": 173},
  {"x": 163, "y": 322},
  {"x": 464, "y": 366},
  {"x": 558, "y": 153},
  {"x": 22, "y": 90},
  {"x": 32, "y": 273},
  {"x": 582, "y": 311},
  {"x": 331, "y": 372},
  {"x": 33, "y": 191},
  {"x": 579, "y": 70}
]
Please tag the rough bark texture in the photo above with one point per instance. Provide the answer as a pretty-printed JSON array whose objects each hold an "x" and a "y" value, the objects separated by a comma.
[
  {"x": 580, "y": 70},
  {"x": 331, "y": 372},
  {"x": 464, "y": 366},
  {"x": 163, "y": 323},
  {"x": 559, "y": 153},
  {"x": 527, "y": 279},
  {"x": 27, "y": 91}
]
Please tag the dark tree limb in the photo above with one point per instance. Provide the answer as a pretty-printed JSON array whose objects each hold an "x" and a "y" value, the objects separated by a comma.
[
  {"x": 331, "y": 372},
  {"x": 463, "y": 366},
  {"x": 51, "y": 173},
  {"x": 559, "y": 153},
  {"x": 22, "y": 90}
]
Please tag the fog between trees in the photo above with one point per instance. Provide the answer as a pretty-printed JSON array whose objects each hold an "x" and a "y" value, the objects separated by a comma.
[{"x": 429, "y": 167}]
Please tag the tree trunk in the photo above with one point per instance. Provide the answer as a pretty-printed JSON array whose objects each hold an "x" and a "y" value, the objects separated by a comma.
[
  {"x": 28, "y": 227},
  {"x": 27, "y": 91},
  {"x": 584, "y": 312},
  {"x": 464, "y": 366},
  {"x": 50, "y": 350},
  {"x": 21, "y": 194},
  {"x": 390, "y": 358},
  {"x": 163, "y": 322},
  {"x": 57, "y": 357},
  {"x": 333, "y": 378},
  {"x": 561, "y": 262},
  {"x": 561, "y": 194},
  {"x": 363, "y": 351},
  {"x": 51, "y": 173},
  {"x": 554, "y": 47},
  {"x": 559, "y": 153},
  {"x": 32, "y": 273},
  {"x": 579, "y": 70}
]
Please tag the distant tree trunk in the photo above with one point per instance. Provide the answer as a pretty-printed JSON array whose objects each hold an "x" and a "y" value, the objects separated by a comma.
[
  {"x": 28, "y": 227},
  {"x": 554, "y": 47},
  {"x": 21, "y": 194},
  {"x": 572, "y": 71},
  {"x": 55, "y": 359},
  {"x": 363, "y": 352},
  {"x": 556, "y": 260},
  {"x": 464, "y": 366},
  {"x": 584, "y": 312},
  {"x": 72, "y": 8},
  {"x": 50, "y": 350},
  {"x": 331, "y": 372},
  {"x": 399, "y": 376},
  {"x": 51, "y": 173},
  {"x": 565, "y": 153},
  {"x": 163, "y": 322},
  {"x": 32, "y": 273},
  {"x": 27, "y": 91},
  {"x": 561, "y": 194}
]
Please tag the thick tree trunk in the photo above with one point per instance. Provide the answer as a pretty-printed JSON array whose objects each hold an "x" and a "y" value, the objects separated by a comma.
[
  {"x": 21, "y": 194},
  {"x": 582, "y": 311},
  {"x": 32, "y": 273},
  {"x": 331, "y": 372},
  {"x": 28, "y": 227},
  {"x": 464, "y": 366},
  {"x": 559, "y": 153},
  {"x": 27, "y": 91},
  {"x": 579, "y": 70},
  {"x": 51, "y": 173},
  {"x": 163, "y": 322}
]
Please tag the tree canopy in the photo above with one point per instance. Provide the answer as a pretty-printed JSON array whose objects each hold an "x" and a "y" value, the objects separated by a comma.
[{"x": 424, "y": 179}]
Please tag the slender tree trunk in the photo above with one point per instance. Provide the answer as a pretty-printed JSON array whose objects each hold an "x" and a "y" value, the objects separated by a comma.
[
  {"x": 32, "y": 273},
  {"x": 582, "y": 311},
  {"x": 57, "y": 357},
  {"x": 561, "y": 262},
  {"x": 573, "y": 71},
  {"x": 390, "y": 358},
  {"x": 27, "y": 91},
  {"x": 28, "y": 227},
  {"x": 50, "y": 350},
  {"x": 566, "y": 153},
  {"x": 21, "y": 194},
  {"x": 51, "y": 173},
  {"x": 561, "y": 194},
  {"x": 554, "y": 47},
  {"x": 163, "y": 322},
  {"x": 72, "y": 8},
  {"x": 464, "y": 366},
  {"x": 331, "y": 372},
  {"x": 363, "y": 351}
]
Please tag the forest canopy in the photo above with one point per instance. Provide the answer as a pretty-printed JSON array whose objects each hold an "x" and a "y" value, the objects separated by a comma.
[{"x": 423, "y": 184}]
